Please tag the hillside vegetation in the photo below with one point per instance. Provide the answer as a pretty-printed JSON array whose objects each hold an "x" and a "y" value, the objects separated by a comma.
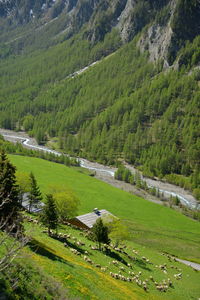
[
  {"x": 138, "y": 114},
  {"x": 138, "y": 102},
  {"x": 58, "y": 271},
  {"x": 70, "y": 266},
  {"x": 124, "y": 107},
  {"x": 151, "y": 225}
]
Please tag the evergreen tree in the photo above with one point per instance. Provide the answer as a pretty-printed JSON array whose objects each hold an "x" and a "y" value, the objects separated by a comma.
[
  {"x": 9, "y": 195},
  {"x": 100, "y": 232},
  {"x": 49, "y": 215},
  {"x": 34, "y": 196}
]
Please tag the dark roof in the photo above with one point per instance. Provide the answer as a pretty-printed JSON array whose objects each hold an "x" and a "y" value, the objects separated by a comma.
[{"x": 90, "y": 219}]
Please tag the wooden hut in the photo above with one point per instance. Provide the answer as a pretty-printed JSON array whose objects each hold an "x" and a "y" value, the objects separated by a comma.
[{"x": 88, "y": 220}]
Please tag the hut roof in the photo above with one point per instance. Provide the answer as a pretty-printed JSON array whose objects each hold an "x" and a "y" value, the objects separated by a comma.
[{"x": 90, "y": 219}]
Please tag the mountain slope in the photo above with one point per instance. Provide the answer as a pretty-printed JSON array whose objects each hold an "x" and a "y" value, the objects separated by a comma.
[
  {"x": 128, "y": 106},
  {"x": 175, "y": 20}
]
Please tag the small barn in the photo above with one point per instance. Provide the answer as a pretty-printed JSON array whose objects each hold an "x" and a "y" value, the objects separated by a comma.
[{"x": 88, "y": 220}]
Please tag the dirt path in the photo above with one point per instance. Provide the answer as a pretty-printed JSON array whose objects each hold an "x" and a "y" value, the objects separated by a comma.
[{"x": 189, "y": 263}]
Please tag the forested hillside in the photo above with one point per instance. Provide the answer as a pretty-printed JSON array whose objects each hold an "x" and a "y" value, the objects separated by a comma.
[{"x": 139, "y": 103}]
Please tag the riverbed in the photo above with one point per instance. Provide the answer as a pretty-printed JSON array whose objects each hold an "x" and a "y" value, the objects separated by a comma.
[{"x": 106, "y": 173}]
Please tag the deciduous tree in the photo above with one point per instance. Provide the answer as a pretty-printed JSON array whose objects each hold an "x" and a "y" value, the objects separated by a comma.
[{"x": 118, "y": 231}]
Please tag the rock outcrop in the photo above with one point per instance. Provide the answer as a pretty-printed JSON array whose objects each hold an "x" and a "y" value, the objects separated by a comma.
[{"x": 164, "y": 25}]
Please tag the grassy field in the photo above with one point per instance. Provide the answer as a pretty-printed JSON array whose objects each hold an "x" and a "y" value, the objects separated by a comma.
[
  {"x": 87, "y": 281},
  {"x": 153, "y": 226}
]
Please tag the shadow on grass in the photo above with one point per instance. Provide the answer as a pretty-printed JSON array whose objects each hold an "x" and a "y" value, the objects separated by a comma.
[
  {"x": 68, "y": 243},
  {"x": 71, "y": 245},
  {"x": 140, "y": 263},
  {"x": 115, "y": 256},
  {"x": 43, "y": 250}
]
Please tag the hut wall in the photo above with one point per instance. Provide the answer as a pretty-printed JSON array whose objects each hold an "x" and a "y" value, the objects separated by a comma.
[{"x": 78, "y": 223}]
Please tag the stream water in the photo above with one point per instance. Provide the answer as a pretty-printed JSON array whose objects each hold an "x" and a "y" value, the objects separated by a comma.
[{"x": 167, "y": 189}]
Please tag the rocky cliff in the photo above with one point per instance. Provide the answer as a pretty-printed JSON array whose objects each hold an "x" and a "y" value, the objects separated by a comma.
[{"x": 164, "y": 25}]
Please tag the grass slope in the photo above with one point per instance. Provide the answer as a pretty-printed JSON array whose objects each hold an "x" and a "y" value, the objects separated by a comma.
[
  {"x": 155, "y": 226},
  {"x": 87, "y": 281}
]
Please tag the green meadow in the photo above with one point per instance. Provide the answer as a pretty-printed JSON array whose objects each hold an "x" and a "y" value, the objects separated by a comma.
[
  {"x": 86, "y": 281},
  {"x": 152, "y": 226}
]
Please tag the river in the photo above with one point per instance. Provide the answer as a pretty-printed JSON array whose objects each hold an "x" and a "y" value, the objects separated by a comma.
[{"x": 106, "y": 173}]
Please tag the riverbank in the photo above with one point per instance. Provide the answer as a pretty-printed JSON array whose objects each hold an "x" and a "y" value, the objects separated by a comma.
[{"x": 106, "y": 173}]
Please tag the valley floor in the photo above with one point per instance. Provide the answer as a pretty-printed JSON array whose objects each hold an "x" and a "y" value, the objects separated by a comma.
[{"x": 106, "y": 173}]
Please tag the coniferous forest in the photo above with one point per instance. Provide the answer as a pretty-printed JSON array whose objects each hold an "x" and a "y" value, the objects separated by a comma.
[{"x": 125, "y": 107}]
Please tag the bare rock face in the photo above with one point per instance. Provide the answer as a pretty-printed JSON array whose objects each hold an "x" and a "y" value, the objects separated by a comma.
[
  {"x": 157, "y": 39},
  {"x": 163, "y": 41},
  {"x": 105, "y": 17},
  {"x": 164, "y": 25},
  {"x": 125, "y": 21}
]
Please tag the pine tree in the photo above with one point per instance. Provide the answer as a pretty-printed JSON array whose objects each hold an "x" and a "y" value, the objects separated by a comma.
[
  {"x": 100, "y": 232},
  {"x": 9, "y": 195},
  {"x": 49, "y": 216},
  {"x": 34, "y": 196}
]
